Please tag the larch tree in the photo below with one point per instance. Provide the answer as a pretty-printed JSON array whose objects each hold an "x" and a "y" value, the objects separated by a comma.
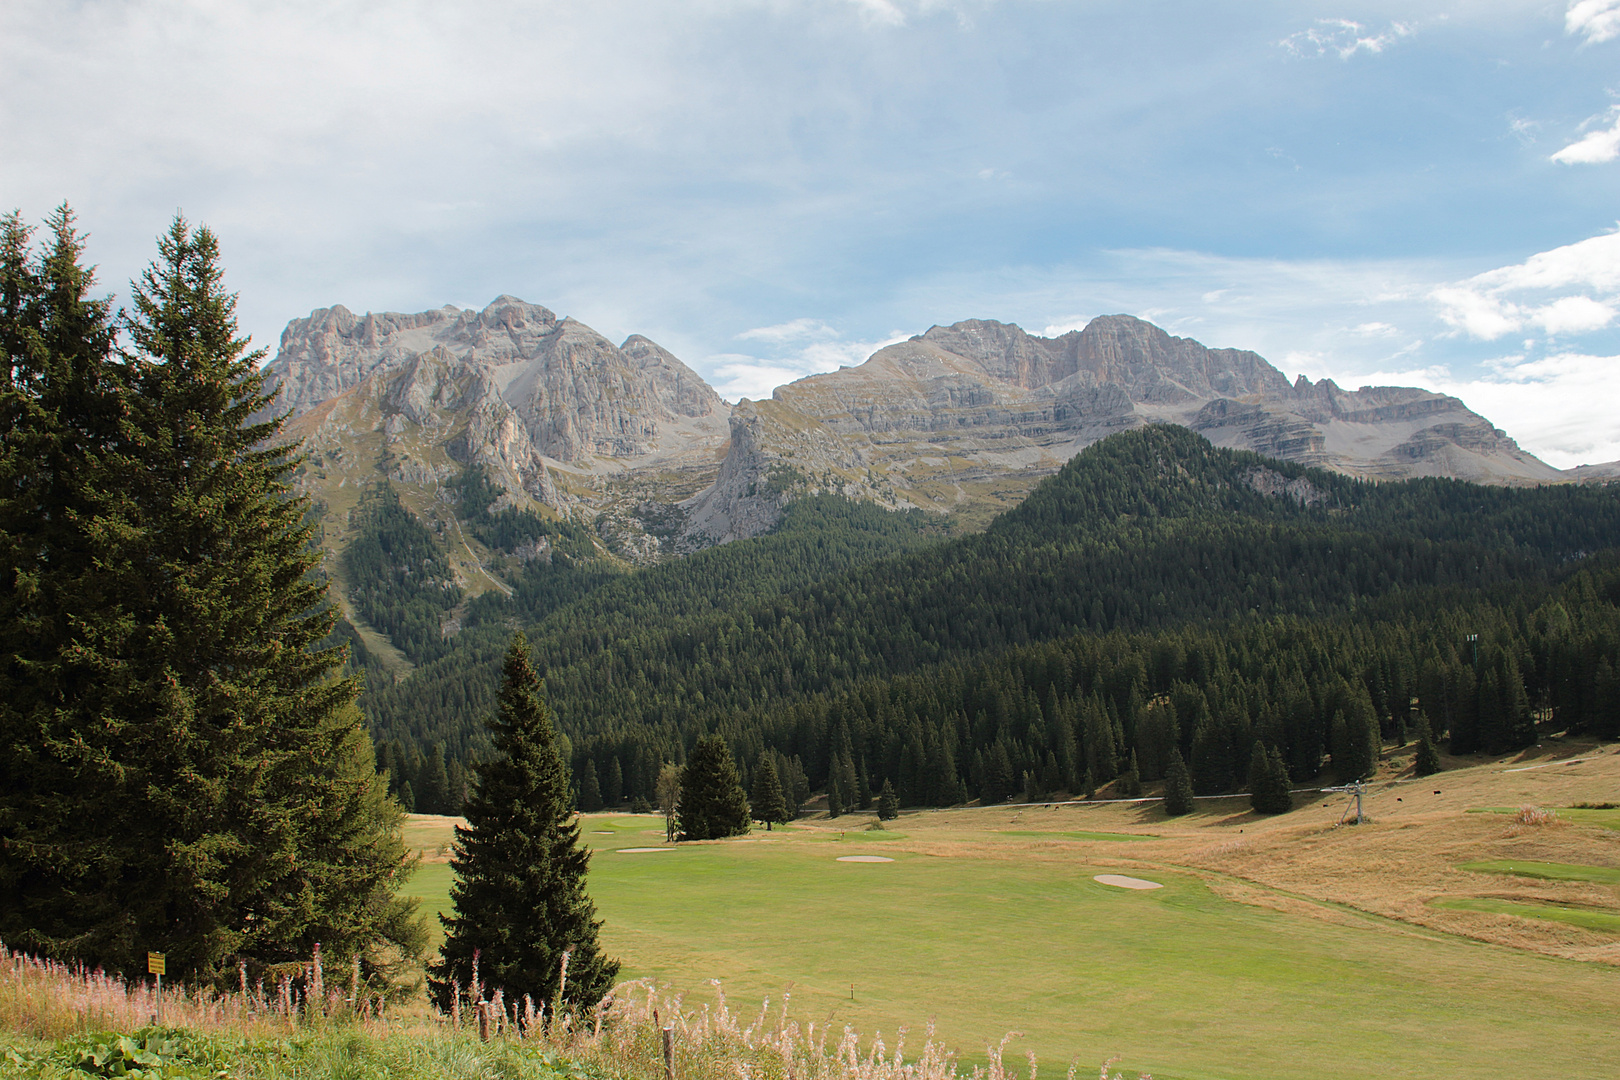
[
  {"x": 519, "y": 900},
  {"x": 667, "y": 789},
  {"x": 197, "y": 779}
]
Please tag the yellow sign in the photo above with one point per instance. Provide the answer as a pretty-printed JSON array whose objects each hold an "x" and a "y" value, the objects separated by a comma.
[{"x": 155, "y": 962}]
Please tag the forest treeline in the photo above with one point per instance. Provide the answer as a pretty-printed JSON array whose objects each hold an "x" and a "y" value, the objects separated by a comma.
[{"x": 857, "y": 645}]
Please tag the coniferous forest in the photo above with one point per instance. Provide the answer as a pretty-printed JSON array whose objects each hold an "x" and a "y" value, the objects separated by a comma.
[
  {"x": 1151, "y": 598},
  {"x": 182, "y": 770}
]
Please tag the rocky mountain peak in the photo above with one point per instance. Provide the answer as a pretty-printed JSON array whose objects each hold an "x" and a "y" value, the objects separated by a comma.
[{"x": 979, "y": 407}]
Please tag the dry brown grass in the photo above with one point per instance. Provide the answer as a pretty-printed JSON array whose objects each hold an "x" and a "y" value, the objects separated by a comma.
[{"x": 1305, "y": 862}]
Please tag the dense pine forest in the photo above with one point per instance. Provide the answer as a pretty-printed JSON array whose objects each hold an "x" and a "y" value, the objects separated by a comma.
[{"x": 1156, "y": 593}]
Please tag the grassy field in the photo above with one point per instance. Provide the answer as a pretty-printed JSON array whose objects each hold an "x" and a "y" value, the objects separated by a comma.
[
  {"x": 1550, "y": 871},
  {"x": 1608, "y": 921},
  {"x": 1276, "y": 948}
]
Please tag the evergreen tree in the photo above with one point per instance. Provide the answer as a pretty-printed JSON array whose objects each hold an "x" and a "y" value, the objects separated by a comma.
[
  {"x": 1357, "y": 757},
  {"x": 767, "y": 803},
  {"x": 1268, "y": 781},
  {"x": 712, "y": 801},
  {"x": 519, "y": 895},
  {"x": 590, "y": 790},
  {"x": 998, "y": 776},
  {"x": 1130, "y": 781},
  {"x": 182, "y": 771},
  {"x": 613, "y": 789},
  {"x": 888, "y": 802},
  {"x": 1178, "y": 790},
  {"x": 433, "y": 786},
  {"x": 1427, "y": 760}
]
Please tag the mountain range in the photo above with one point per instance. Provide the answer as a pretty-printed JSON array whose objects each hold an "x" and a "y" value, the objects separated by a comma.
[{"x": 963, "y": 419}]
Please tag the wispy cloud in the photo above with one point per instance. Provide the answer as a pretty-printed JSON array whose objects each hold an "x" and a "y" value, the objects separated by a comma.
[
  {"x": 1524, "y": 297},
  {"x": 1560, "y": 407},
  {"x": 1595, "y": 20},
  {"x": 1597, "y": 146},
  {"x": 796, "y": 330},
  {"x": 737, "y": 375},
  {"x": 1343, "y": 38}
]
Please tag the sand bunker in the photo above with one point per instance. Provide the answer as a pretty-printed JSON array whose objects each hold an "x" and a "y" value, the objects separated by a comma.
[
  {"x": 641, "y": 850},
  {"x": 863, "y": 858},
  {"x": 1120, "y": 881}
]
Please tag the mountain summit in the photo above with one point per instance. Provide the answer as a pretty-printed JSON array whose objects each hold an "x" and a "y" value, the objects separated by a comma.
[
  {"x": 966, "y": 418},
  {"x": 976, "y": 412}
]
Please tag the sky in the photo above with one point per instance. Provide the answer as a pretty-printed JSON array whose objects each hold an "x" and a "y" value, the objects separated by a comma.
[{"x": 1404, "y": 193}]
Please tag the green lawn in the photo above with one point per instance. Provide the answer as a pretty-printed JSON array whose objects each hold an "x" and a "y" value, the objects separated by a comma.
[
  {"x": 1550, "y": 871},
  {"x": 431, "y": 885},
  {"x": 1606, "y": 921},
  {"x": 1182, "y": 982}
]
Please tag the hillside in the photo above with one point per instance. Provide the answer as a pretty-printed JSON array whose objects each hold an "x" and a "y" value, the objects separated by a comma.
[
  {"x": 629, "y": 441},
  {"x": 1153, "y": 533},
  {"x": 967, "y": 417}
]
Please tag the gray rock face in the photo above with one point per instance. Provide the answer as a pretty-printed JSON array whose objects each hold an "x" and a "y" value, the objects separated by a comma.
[
  {"x": 933, "y": 420},
  {"x": 968, "y": 417},
  {"x": 557, "y": 414},
  {"x": 577, "y": 394}
]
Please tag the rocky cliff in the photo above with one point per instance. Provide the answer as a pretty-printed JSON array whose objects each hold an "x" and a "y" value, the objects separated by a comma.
[
  {"x": 971, "y": 415},
  {"x": 561, "y": 418},
  {"x": 962, "y": 418}
]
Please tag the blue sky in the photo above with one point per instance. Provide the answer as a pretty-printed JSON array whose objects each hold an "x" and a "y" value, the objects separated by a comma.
[{"x": 1418, "y": 193}]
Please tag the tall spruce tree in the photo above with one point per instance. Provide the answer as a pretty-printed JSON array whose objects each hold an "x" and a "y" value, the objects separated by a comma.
[
  {"x": 712, "y": 801},
  {"x": 767, "y": 803},
  {"x": 189, "y": 777},
  {"x": 519, "y": 895},
  {"x": 1268, "y": 781},
  {"x": 590, "y": 789},
  {"x": 888, "y": 802},
  {"x": 1178, "y": 789},
  {"x": 1426, "y": 762}
]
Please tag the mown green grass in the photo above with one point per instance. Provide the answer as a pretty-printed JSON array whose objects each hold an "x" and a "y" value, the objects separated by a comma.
[
  {"x": 1180, "y": 980},
  {"x": 1183, "y": 982},
  {"x": 430, "y": 886},
  {"x": 1550, "y": 871},
  {"x": 1605, "y": 921}
]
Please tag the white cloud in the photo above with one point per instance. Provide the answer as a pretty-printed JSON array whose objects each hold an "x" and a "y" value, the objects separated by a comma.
[
  {"x": 1574, "y": 315},
  {"x": 900, "y": 12},
  {"x": 1559, "y": 407},
  {"x": 1597, "y": 146},
  {"x": 1512, "y": 298},
  {"x": 1343, "y": 38},
  {"x": 1597, "y": 20},
  {"x": 1065, "y": 325},
  {"x": 737, "y": 375},
  {"x": 789, "y": 331}
]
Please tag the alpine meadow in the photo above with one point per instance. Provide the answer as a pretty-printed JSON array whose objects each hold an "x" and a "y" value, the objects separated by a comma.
[{"x": 804, "y": 540}]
